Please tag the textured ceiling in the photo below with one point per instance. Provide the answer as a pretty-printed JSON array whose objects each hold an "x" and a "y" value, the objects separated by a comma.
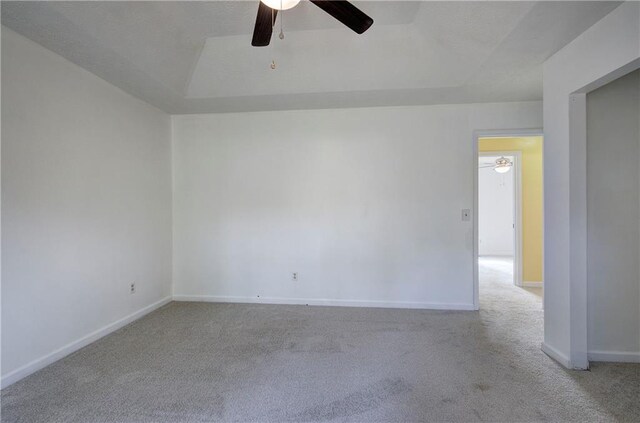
[{"x": 196, "y": 57}]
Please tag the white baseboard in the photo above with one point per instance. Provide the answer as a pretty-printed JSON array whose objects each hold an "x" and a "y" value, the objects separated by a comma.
[
  {"x": 532, "y": 284},
  {"x": 62, "y": 352},
  {"x": 56, "y": 355},
  {"x": 615, "y": 356},
  {"x": 323, "y": 302},
  {"x": 608, "y": 356},
  {"x": 556, "y": 355}
]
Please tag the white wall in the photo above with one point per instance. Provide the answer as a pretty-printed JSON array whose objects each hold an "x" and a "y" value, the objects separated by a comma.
[
  {"x": 613, "y": 218},
  {"x": 365, "y": 204},
  {"x": 495, "y": 211},
  {"x": 86, "y": 206},
  {"x": 596, "y": 55}
]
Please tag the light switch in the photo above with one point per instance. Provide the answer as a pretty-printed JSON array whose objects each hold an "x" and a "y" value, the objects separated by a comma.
[{"x": 466, "y": 215}]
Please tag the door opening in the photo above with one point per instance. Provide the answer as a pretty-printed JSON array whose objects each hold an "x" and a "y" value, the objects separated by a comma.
[
  {"x": 499, "y": 213},
  {"x": 508, "y": 218}
]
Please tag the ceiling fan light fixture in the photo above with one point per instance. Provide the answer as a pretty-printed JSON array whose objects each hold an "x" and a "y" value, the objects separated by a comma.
[
  {"x": 503, "y": 165},
  {"x": 281, "y": 4},
  {"x": 342, "y": 10}
]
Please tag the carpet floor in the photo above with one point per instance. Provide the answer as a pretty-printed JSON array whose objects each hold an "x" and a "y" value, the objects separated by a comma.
[{"x": 237, "y": 362}]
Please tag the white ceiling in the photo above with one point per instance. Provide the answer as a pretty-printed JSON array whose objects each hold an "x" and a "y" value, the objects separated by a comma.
[{"x": 196, "y": 57}]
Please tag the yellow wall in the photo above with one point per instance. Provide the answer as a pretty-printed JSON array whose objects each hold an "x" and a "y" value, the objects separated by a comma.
[{"x": 531, "y": 148}]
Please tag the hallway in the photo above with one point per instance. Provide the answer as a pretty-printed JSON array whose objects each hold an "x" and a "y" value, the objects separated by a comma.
[{"x": 496, "y": 280}]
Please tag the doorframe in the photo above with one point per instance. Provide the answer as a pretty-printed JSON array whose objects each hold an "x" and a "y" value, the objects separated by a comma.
[
  {"x": 517, "y": 209},
  {"x": 578, "y": 282},
  {"x": 496, "y": 133}
]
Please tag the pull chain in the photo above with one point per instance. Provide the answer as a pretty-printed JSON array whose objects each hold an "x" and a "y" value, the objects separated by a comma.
[
  {"x": 273, "y": 23},
  {"x": 281, "y": 36},
  {"x": 273, "y": 62}
]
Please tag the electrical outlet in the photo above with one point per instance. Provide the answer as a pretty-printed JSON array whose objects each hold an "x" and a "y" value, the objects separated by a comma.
[
  {"x": 294, "y": 276},
  {"x": 132, "y": 289}
]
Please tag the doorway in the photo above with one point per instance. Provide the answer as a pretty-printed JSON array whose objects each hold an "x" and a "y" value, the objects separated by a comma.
[
  {"x": 499, "y": 213},
  {"x": 508, "y": 223}
]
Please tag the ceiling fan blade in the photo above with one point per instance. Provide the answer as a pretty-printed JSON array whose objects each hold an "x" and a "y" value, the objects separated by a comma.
[
  {"x": 346, "y": 13},
  {"x": 264, "y": 25}
]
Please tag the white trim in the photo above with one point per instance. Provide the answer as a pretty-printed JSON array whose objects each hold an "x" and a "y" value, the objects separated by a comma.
[
  {"x": 532, "y": 284},
  {"x": 578, "y": 229},
  {"x": 56, "y": 355},
  {"x": 508, "y": 133},
  {"x": 322, "y": 302},
  {"x": 556, "y": 355},
  {"x": 615, "y": 356}
]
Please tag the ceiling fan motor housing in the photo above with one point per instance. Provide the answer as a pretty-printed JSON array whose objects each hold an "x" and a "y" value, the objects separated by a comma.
[
  {"x": 342, "y": 10},
  {"x": 281, "y": 4}
]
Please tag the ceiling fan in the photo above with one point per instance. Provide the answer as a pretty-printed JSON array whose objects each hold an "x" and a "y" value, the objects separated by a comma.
[
  {"x": 501, "y": 165},
  {"x": 342, "y": 10}
]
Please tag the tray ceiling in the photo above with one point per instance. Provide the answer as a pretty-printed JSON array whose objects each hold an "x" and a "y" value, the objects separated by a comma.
[{"x": 196, "y": 57}]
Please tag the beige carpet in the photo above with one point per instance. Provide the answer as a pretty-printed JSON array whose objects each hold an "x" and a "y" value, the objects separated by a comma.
[{"x": 233, "y": 362}]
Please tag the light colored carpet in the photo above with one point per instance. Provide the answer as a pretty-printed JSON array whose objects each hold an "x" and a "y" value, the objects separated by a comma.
[{"x": 233, "y": 362}]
